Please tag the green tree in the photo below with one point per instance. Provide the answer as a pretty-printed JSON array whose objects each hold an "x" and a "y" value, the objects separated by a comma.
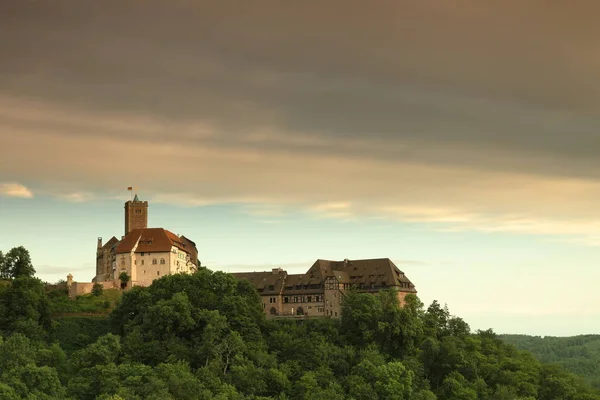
[
  {"x": 97, "y": 289},
  {"x": 3, "y": 270},
  {"x": 24, "y": 307},
  {"x": 17, "y": 263},
  {"x": 124, "y": 278},
  {"x": 33, "y": 382}
]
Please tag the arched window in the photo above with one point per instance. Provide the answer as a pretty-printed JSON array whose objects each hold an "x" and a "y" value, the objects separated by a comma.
[
  {"x": 273, "y": 311},
  {"x": 162, "y": 260},
  {"x": 154, "y": 261},
  {"x": 299, "y": 311}
]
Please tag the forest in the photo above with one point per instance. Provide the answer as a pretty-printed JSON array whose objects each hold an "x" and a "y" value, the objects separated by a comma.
[
  {"x": 205, "y": 336},
  {"x": 577, "y": 354}
]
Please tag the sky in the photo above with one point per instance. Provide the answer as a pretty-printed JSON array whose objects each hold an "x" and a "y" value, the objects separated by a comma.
[{"x": 458, "y": 138}]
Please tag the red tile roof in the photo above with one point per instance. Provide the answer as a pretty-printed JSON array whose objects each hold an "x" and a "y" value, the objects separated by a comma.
[{"x": 151, "y": 240}]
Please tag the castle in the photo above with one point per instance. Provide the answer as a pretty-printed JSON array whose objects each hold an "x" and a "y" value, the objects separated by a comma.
[
  {"x": 146, "y": 254},
  {"x": 319, "y": 292},
  {"x": 143, "y": 253}
]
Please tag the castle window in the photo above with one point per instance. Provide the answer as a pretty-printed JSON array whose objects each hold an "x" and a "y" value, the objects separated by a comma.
[
  {"x": 157, "y": 272},
  {"x": 142, "y": 262},
  {"x": 154, "y": 261},
  {"x": 135, "y": 262},
  {"x": 142, "y": 254},
  {"x": 162, "y": 260}
]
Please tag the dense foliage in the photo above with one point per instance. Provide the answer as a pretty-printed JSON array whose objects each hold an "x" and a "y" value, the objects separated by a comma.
[
  {"x": 204, "y": 336},
  {"x": 577, "y": 354},
  {"x": 16, "y": 263}
]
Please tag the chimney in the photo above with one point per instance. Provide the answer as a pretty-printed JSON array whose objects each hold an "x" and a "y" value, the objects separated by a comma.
[
  {"x": 99, "y": 242},
  {"x": 69, "y": 280},
  {"x": 276, "y": 271}
]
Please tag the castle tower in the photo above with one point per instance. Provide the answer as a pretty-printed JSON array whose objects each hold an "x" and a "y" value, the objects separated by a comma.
[{"x": 136, "y": 214}]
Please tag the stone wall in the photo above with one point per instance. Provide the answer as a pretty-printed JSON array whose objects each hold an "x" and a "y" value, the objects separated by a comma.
[
  {"x": 330, "y": 306},
  {"x": 103, "y": 265},
  {"x": 314, "y": 307},
  {"x": 333, "y": 303},
  {"x": 81, "y": 288},
  {"x": 308, "y": 308}
]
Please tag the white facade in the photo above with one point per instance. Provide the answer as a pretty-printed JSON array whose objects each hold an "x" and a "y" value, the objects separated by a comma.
[{"x": 143, "y": 268}]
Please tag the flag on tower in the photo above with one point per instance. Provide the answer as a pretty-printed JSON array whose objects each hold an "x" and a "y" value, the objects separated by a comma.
[{"x": 130, "y": 188}]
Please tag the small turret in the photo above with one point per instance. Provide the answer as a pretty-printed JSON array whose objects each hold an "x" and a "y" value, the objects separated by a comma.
[{"x": 99, "y": 243}]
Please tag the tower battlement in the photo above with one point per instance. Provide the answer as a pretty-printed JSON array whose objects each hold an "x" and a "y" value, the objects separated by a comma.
[{"x": 136, "y": 215}]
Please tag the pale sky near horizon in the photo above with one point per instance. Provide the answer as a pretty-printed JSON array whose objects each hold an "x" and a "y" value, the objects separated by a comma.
[{"x": 458, "y": 138}]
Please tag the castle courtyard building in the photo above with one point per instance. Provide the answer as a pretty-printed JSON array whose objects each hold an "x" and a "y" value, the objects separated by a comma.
[{"x": 319, "y": 291}]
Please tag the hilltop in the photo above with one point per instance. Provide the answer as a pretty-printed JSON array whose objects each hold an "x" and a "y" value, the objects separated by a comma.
[
  {"x": 205, "y": 336},
  {"x": 577, "y": 354}
]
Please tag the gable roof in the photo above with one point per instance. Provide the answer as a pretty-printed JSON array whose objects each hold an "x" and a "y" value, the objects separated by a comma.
[
  {"x": 151, "y": 240},
  {"x": 267, "y": 282},
  {"x": 370, "y": 275},
  {"x": 377, "y": 272},
  {"x": 184, "y": 239},
  {"x": 111, "y": 242}
]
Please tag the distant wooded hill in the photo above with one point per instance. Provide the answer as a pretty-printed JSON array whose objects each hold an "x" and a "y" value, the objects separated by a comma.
[{"x": 577, "y": 354}]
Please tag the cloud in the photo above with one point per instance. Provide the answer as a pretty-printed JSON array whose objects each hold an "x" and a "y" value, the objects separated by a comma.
[
  {"x": 267, "y": 182},
  {"x": 15, "y": 190},
  {"x": 266, "y": 210},
  {"x": 434, "y": 93},
  {"x": 339, "y": 210},
  {"x": 78, "y": 197},
  {"x": 412, "y": 111}
]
